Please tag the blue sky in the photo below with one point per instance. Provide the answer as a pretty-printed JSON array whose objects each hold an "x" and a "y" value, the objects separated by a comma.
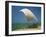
[{"x": 19, "y": 17}]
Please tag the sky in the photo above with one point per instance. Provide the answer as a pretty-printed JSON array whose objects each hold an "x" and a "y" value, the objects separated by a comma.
[{"x": 19, "y": 17}]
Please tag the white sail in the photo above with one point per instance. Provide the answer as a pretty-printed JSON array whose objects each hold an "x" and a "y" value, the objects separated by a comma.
[{"x": 29, "y": 14}]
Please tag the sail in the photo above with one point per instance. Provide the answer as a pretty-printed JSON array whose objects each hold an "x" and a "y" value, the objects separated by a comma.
[{"x": 29, "y": 14}]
